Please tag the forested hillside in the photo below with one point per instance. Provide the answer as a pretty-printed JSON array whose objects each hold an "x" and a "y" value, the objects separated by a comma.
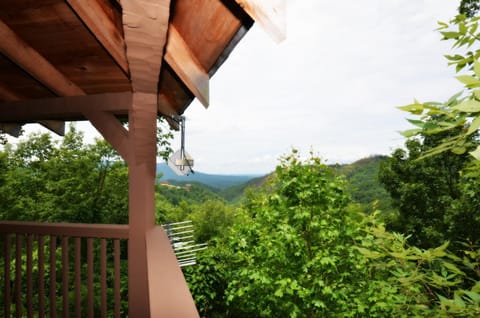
[{"x": 363, "y": 183}]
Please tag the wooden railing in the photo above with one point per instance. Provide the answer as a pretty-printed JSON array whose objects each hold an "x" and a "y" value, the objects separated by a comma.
[{"x": 63, "y": 269}]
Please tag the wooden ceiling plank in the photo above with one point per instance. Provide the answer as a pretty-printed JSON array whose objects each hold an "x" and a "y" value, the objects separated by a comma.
[
  {"x": 93, "y": 15},
  {"x": 166, "y": 109},
  {"x": 183, "y": 62},
  {"x": 14, "y": 48},
  {"x": 65, "y": 108},
  {"x": 13, "y": 129},
  {"x": 269, "y": 14},
  {"x": 7, "y": 94}
]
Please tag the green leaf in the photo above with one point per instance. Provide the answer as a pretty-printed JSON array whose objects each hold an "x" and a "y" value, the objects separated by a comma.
[
  {"x": 473, "y": 28},
  {"x": 459, "y": 301},
  {"x": 415, "y": 108},
  {"x": 476, "y": 68},
  {"x": 454, "y": 99},
  {"x": 453, "y": 268},
  {"x": 476, "y": 287},
  {"x": 319, "y": 303},
  {"x": 474, "y": 126},
  {"x": 416, "y": 122},
  {"x": 468, "y": 80},
  {"x": 456, "y": 57},
  {"x": 476, "y": 94},
  {"x": 476, "y": 153},
  {"x": 459, "y": 150},
  {"x": 411, "y": 132},
  {"x": 468, "y": 106},
  {"x": 442, "y": 24},
  {"x": 473, "y": 296},
  {"x": 459, "y": 66},
  {"x": 434, "y": 151},
  {"x": 450, "y": 34}
]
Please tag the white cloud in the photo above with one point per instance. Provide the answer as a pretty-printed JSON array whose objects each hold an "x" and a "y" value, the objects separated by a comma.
[{"x": 332, "y": 85}]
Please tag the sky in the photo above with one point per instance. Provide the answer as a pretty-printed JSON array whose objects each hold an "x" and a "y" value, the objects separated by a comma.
[{"x": 332, "y": 86}]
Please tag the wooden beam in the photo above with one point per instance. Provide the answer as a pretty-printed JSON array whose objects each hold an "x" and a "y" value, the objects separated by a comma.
[
  {"x": 13, "y": 129},
  {"x": 145, "y": 25},
  {"x": 119, "y": 231},
  {"x": 183, "y": 62},
  {"x": 93, "y": 15},
  {"x": 172, "y": 297},
  {"x": 57, "y": 126},
  {"x": 13, "y": 47},
  {"x": 269, "y": 14},
  {"x": 65, "y": 108},
  {"x": 111, "y": 129}
]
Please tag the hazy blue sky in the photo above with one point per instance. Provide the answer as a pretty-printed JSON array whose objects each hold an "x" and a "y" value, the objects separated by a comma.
[{"x": 331, "y": 86}]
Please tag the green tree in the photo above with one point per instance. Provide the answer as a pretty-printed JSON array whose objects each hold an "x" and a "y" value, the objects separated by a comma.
[
  {"x": 460, "y": 115},
  {"x": 429, "y": 194},
  {"x": 67, "y": 181},
  {"x": 469, "y": 7},
  {"x": 296, "y": 249},
  {"x": 295, "y": 255},
  {"x": 454, "y": 125}
]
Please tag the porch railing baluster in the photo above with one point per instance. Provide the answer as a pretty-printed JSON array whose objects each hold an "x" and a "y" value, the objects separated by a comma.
[
  {"x": 29, "y": 276},
  {"x": 53, "y": 276},
  {"x": 18, "y": 275},
  {"x": 78, "y": 278},
  {"x": 32, "y": 290},
  {"x": 90, "y": 277},
  {"x": 6, "y": 267},
  {"x": 41, "y": 276},
  {"x": 65, "y": 276},
  {"x": 103, "y": 277},
  {"x": 116, "y": 280}
]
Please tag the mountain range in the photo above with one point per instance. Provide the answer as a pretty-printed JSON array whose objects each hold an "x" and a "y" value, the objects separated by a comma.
[
  {"x": 363, "y": 184},
  {"x": 217, "y": 181}
]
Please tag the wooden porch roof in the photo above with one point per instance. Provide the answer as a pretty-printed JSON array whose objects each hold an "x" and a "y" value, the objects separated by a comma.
[
  {"x": 62, "y": 59},
  {"x": 101, "y": 60}
]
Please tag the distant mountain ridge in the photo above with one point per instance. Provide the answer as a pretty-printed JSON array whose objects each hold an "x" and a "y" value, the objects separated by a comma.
[
  {"x": 218, "y": 181},
  {"x": 363, "y": 184}
]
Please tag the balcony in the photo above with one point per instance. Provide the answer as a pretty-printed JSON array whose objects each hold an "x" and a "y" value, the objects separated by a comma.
[
  {"x": 81, "y": 270},
  {"x": 63, "y": 270}
]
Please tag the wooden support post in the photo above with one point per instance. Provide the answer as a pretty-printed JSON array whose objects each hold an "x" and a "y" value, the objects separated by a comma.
[{"x": 141, "y": 171}]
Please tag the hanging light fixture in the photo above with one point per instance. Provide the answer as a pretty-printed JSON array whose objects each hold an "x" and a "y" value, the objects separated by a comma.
[{"x": 180, "y": 161}]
